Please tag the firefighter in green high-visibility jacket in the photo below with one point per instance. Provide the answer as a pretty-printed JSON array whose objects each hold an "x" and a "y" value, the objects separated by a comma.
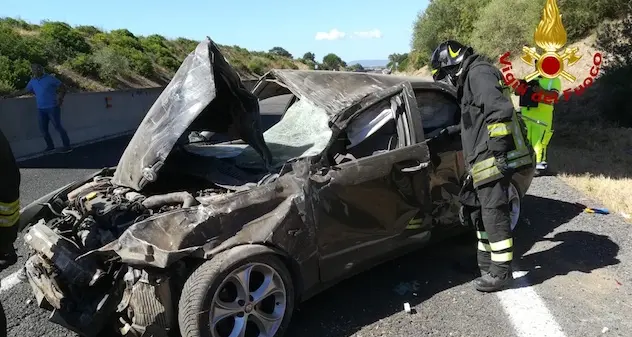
[{"x": 538, "y": 116}]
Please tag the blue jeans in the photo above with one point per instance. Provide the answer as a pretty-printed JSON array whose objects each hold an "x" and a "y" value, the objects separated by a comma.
[{"x": 53, "y": 115}]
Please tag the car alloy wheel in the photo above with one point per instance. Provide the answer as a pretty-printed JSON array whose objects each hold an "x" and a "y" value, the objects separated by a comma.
[
  {"x": 241, "y": 292},
  {"x": 251, "y": 301},
  {"x": 514, "y": 204}
]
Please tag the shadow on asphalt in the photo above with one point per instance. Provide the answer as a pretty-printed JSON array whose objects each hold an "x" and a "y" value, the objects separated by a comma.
[
  {"x": 368, "y": 297},
  {"x": 573, "y": 251}
]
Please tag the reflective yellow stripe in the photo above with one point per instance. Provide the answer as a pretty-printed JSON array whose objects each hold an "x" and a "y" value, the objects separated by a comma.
[
  {"x": 481, "y": 235},
  {"x": 9, "y": 220},
  {"x": 500, "y": 245},
  {"x": 493, "y": 171},
  {"x": 499, "y": 129},
  {"x": 9, "y": 208},
  {"x": 434, "y": 71},
  {"x": 519, "y": 157},
  {"x": 415, "y": 223},
  {"x": 484, "y": 247},
  {"x": 502, "y": 257}
]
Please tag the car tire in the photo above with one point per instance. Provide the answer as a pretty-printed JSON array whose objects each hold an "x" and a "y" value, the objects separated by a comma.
[{"x": 219, "y": 277}]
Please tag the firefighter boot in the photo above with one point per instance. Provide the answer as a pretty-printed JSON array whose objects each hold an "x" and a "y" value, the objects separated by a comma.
[{"x": 491, "y": 283}]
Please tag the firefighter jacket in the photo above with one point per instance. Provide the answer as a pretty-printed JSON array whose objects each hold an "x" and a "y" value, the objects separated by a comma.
[
  {"x": 489, "y": 123},
  {"x": 9, "y": 185}
]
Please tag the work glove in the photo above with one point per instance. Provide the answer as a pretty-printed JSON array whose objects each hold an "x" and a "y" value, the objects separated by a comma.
[{"x": 502, "y": 163}]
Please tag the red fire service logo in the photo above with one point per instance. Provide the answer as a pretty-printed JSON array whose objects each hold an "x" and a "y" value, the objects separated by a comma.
[{"x": 550, "y": 35}]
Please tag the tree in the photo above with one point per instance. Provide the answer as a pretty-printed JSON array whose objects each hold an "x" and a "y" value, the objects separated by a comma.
[
  {"x": 442, "y": 20},
  {"x": 397, "y": 61},
  {"x": 332, "y": 61},
  {"x": 281, "y": 52},
  {"x": 356, "y": 67},
  {"x": 309, "y": 56}
]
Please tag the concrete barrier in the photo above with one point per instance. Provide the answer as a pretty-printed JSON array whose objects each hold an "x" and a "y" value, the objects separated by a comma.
[{"x": 87, "y": 117}]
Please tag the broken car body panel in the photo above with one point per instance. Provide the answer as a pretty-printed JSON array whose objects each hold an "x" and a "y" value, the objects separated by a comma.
[{"x": 206, "y": 90}]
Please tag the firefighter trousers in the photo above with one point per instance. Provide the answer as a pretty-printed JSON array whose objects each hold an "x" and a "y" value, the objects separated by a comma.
[{"x": 487, "y": 208}]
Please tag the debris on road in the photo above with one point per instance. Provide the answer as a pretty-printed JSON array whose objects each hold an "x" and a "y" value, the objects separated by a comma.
[
  {"x": 604, "y": 330},
  {"x": 592, "y": 209},
  {"x": 407, "y": 307},
  {"x": 596, "y": 210}
]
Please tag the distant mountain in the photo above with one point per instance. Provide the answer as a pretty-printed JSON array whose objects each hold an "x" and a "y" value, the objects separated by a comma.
[{"x": 370, "y": 63}]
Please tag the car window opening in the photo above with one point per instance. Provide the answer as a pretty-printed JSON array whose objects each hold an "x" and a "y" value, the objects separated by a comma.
[
  {"x": 371, "y": 133},
  {"x": 437, "y": 110}
]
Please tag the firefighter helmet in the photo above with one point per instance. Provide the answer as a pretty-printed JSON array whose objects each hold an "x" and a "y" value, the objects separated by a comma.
[{"x": 446, "y": 61}]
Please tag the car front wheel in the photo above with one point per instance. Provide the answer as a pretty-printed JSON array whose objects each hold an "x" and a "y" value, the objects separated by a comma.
[{"x": 237, "y": 294}]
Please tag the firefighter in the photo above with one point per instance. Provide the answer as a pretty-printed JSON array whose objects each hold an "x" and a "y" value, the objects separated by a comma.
[
  {"x": 9, "y": 203},
  {"x": 539, "y": 116},
  {"x": 493, "y": 146}
]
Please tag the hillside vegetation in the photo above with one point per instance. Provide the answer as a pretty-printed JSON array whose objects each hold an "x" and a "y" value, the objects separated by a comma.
[
  {"x": 592, "y": 143},
  {"x": 87, "y": 58}
]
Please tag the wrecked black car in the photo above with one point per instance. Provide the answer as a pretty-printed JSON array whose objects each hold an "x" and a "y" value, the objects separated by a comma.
[{"x": 225, "y": 239}]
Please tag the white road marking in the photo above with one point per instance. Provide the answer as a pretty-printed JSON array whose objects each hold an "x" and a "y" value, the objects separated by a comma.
[
  {"x": 527, "y": 312},
  {"x": 10, "y": 281}
]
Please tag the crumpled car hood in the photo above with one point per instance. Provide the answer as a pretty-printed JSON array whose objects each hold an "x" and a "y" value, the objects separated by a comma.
[{"x": 206, "y": 93}]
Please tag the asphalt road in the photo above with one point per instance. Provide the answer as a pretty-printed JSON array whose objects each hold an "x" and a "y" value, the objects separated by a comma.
[{"x": 574, "y": 269}]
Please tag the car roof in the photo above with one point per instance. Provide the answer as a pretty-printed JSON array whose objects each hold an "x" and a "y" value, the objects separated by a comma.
[{"x": 335, "y": 91}]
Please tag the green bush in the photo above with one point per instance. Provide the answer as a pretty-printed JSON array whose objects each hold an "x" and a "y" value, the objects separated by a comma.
[
  {"x": 17, "y": 23},
  {"x": 168, "y": 62},
  {"x": 111, "y": 64},
  {"x": 69, "y": 40},
  {"x": 88, "y": 31},
  {"x": 125, "y": 39},
  {"x": 14, "y": 73},
  {"x": 100, "y": 40},
  {"x": 142, "y": 64},
  {"x": 21, "y": 73},
  {"x": 6, "y": 87},
  {"x": 84, "y": 65},
  {"x": 442, "y": 20},
  {"x": 258, "y": 66},
  {"x": 580, "y": 17},
  {"x": 493, "y": 37}
]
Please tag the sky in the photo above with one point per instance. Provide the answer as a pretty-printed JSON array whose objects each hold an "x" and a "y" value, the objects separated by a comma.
[{"x": 352, "y": 29}]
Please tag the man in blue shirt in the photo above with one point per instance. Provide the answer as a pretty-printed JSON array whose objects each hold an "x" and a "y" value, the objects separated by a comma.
[{"x": 49, "y": 95}]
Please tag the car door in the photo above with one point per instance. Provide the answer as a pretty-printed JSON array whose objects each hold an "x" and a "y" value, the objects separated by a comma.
[{"x": 362, "y": 207}]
